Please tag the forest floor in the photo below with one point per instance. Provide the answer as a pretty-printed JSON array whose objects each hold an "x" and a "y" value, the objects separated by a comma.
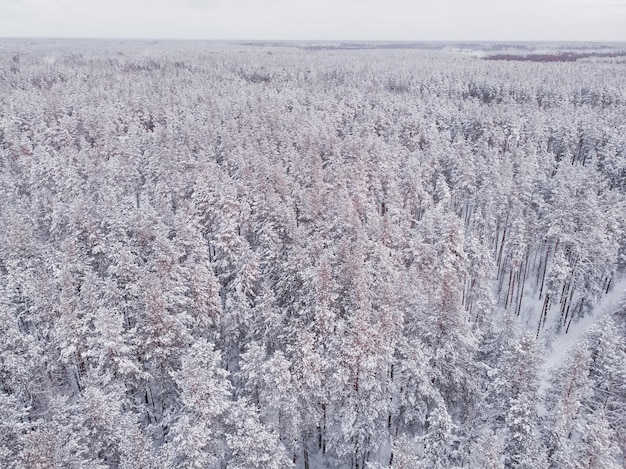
[{"x": 557, "y": 350}]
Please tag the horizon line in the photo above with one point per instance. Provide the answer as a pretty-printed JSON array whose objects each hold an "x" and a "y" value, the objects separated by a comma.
[{"x": 344, "y": 40}]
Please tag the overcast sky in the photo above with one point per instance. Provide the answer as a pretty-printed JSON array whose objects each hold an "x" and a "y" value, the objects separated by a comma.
[{"x": 583, "y": 20}]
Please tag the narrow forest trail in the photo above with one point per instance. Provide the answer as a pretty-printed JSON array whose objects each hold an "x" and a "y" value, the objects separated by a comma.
[{"x": 558, "y": 349}]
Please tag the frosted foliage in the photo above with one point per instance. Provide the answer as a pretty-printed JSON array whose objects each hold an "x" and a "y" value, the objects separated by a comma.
[
  {"x": 488, "y": 452},
  {"x": 406, "y": 453},
  {"x": 312, "y": 255},
  {"x": 254, "y": 446},
  {"x": 438, "y": 440},
  {"x": 204, "y": 386},
  {"x": 197, "y": 436},
  {"x": 598, "y": 448},
  {"x": 523, "y": 445}
]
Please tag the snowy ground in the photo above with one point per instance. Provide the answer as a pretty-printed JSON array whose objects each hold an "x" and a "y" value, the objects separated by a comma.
[{"x": 559, "y": 347}]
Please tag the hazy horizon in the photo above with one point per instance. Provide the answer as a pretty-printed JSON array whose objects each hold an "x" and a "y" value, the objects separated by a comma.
[{"x": 323, "y": 20}]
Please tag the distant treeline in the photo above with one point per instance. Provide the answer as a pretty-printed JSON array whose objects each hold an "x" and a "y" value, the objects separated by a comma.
[{"x": 562, "y": 57}]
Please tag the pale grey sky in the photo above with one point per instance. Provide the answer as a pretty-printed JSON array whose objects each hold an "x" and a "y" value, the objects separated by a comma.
[{"x": 584, "y": 20}]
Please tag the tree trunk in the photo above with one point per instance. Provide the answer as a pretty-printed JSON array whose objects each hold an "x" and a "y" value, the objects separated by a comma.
[{"x": 543, "y": 275}]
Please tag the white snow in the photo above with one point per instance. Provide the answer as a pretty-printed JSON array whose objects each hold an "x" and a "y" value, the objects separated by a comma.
[{"x": 561, "y": 344}]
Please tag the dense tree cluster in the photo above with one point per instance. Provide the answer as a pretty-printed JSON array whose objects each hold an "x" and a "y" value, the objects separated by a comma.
[{"x": 218, "y": 256}]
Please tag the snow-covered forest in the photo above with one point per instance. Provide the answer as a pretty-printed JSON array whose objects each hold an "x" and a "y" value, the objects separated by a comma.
[{"x": 281, "y": 256}]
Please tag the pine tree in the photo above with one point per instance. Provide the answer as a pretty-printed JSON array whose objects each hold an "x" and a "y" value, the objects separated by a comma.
[
  {"x": 571, "y": 386},
  {"x": 438, "y": 447},
  {"x": 523, "y": 445},
  {"x": 598, "y": 448},
  {"x": 197, "y": 436}
]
